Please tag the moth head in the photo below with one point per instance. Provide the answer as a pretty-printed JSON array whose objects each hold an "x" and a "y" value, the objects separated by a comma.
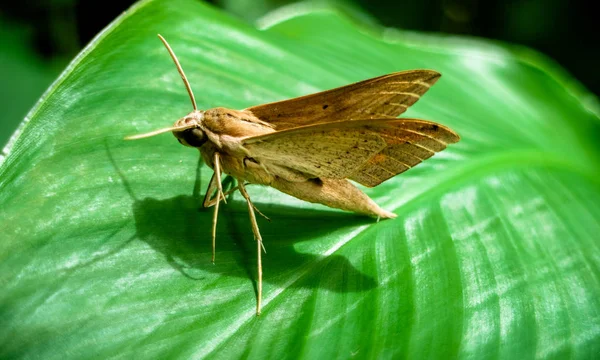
[{"x": 188, "y": 129}]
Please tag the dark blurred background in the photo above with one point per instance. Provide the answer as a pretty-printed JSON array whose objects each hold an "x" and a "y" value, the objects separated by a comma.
[{"x": 40, "y": 37}]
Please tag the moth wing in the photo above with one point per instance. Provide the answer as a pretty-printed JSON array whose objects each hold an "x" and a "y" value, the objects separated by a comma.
[
  {"x": 367, "y": 151},
  {"x": 318, "y": 150},
  {"x": 408, "y": 143},
  {"x": 384, "y": 96}
]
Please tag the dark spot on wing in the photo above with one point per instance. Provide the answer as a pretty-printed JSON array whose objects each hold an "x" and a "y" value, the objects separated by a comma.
[
  {"x": 316, "y": 181},
  {"x": 434, "y": 127},
  {"x": 325, "y": 106},
  {"x": 252, "y": 160}
]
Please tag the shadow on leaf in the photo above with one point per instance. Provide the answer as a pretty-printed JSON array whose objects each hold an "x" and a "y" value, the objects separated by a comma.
[{"x": 180, "y": 229}]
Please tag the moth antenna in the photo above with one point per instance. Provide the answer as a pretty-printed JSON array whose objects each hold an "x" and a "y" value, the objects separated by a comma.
[
  {"x": 159, "y": 131},
  {"x": 180, "y": 69}
]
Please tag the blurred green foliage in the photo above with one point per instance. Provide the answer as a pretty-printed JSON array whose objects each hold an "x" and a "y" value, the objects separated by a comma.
[{"x": 25, "y": 76}]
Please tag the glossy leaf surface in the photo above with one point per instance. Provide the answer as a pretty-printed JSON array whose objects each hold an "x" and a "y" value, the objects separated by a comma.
[{"x": 104, "y": 251}]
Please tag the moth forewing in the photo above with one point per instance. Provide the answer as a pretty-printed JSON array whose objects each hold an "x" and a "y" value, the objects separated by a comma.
[
  {"x": 308, "y": 147},
  {"x": 384, "y": 96}
]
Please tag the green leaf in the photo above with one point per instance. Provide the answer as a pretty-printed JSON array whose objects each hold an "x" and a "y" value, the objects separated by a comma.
[{"x": 105, "y": 253}]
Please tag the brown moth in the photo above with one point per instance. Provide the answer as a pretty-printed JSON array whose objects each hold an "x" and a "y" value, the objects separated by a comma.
[{"x": 309, "y": 147}]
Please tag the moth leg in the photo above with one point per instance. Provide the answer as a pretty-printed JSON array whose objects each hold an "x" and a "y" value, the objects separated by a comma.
[
  {"x": 216, "y": 184},
  {"x": 258, "y": 239},
  {"x": 211, "y": 188},
  {"x": 215, "y": 181},
  {"x": 208, "y": 202},
  {"x": 263, "y": 215},
  {"x": 211, "y": 202}
]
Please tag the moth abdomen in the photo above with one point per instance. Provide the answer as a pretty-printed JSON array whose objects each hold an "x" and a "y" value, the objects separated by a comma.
[{"x": 336, "y": 193}]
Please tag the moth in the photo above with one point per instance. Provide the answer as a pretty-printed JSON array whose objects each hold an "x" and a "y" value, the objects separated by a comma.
[{"x": 311, "y": 146}]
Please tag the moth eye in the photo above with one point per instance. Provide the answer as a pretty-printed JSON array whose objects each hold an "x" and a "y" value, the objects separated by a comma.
[{"x": 194, "y": 137}]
